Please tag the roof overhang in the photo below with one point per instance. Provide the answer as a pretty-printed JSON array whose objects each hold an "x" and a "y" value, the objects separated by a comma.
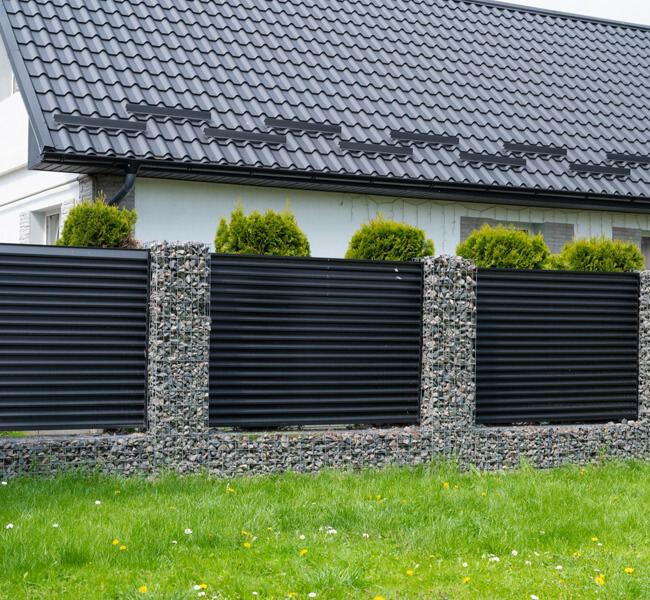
[{"x": 341, "y": 183}]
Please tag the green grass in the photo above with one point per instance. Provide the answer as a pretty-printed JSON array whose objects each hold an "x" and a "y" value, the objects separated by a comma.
[{"x": 388, "y": 525}]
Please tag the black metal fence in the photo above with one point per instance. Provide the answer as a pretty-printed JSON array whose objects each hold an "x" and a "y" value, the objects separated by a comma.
[
  {"x": 556, "y": 347},
  {"x": 306, "y": 341},
  {"x": 73, "y": 330},
  {"x": 299, "y": 341}
]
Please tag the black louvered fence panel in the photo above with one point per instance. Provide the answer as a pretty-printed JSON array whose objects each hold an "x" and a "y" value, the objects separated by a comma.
[
  {"x": 304, "y": 341},
  {"x": 556, "y": 347},
  {"x": 73, "y": 331}
]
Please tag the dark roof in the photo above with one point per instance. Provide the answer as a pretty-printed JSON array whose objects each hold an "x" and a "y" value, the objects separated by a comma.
[{"x": 410, "y": 93}]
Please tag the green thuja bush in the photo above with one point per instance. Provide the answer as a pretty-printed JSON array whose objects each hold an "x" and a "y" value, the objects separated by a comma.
[
  {"x": 505, "y": 248},
  {"x": 269, "y": 233},
  {"x": 598, "y": 253},
  {"x": 96, "y": 224},
  {"x": 385, "y": 239}
]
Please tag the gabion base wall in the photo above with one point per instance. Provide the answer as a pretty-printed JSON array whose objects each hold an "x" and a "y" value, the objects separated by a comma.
[
  {"x": 449, "y": 378},
  {"x": 178, "y": 437}
]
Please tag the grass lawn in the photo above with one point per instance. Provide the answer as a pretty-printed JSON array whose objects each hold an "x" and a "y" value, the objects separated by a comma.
[{"x": 393, "y": 534}]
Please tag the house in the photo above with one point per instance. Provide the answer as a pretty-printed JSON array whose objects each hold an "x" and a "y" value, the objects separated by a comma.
[{"x": 442, "y": 113}]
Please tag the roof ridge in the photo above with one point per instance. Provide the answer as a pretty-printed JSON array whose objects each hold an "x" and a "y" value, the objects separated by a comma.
[{"x": 556, "y": 13}]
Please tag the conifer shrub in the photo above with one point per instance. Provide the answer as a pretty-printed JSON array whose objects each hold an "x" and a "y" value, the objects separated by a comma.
[
  {"x": 270, "y": 233},
  {"x": 598, "y": 253},
  {"x": 556, "y": 263},
  {"x": 98, "y": 225},
  {"x": 505, "y": 248},
  {"x": 385, "y": 239}
]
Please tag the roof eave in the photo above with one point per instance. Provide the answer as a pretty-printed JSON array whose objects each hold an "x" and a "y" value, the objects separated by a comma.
[{"x": 316, "y": 181}]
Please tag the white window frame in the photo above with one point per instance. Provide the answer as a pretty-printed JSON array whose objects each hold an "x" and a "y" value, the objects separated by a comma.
[{"x": 52, "y": 235}]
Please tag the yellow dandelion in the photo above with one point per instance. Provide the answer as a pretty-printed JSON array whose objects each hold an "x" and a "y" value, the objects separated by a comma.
[
  {"x": 629, "y": 570},
  {"x": 483, "y": 494},
  {"x": 409, "y": 572},
  {"x": 244, "y": 532},
  {"x": 117, "y": 491},
  {"x": 465, "y": 579},
  {"x": 378, "y": 598},
  {"x": 203, "y": 586},
  {"x": 594, "y": 539},
  {"x": 303, "y": 552},
  {"x": 172, "y": 508},
  {"x": 577, "y": 554},
  {"x": 247, "y": 545},
  {"x": 378, "y": 496},
  {"x": 446, "y": 484},
  {"x": 143, "y": 589},
  {"x": 431, "y": 556},
  {"x": 600, "y": 580},
  {"x": 122, "y": 547},
  {"x": 116, "y": 542},
  {"x": 269, "y": 528},
  {"x": 404, "y": 501},
  {"x": 456, "y": 486}
]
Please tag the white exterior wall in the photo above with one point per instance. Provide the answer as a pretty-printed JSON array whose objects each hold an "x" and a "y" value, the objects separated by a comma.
[
  {"x": 189, "y": 211},
  {"x": 22, "y": 190}
]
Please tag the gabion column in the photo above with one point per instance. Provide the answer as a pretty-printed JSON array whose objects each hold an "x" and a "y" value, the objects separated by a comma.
[
  {"x": 448, "y": 340},
  {"x": 179, "y": 346}
]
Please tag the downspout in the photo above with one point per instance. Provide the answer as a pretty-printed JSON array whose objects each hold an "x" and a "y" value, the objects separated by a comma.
[{"x": 129, "y": 183}]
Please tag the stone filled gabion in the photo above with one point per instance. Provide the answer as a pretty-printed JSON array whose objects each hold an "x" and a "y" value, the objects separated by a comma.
[
  {"x": 178, "y": 437},
  {"x": 179, "y": 351},
  {"x": 448, "y": 334}
]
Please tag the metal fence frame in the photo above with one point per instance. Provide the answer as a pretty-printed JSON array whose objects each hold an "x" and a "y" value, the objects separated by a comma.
[
  {"x": 345, "y": 309},
  {"x": 70, "y": 285},
  {"x": 574, "y": 337}
]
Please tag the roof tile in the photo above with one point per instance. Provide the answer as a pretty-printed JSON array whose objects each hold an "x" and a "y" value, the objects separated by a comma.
[{"x": 486, "y": 73}]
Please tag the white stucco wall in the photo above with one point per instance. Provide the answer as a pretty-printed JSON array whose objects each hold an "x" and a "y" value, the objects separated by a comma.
[
  {"x": 176, "y": 210},
  {"x": 22, "y": 190}
]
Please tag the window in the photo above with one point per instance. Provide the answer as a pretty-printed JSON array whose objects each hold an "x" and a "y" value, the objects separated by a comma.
[{"x": 44, "y": 226}]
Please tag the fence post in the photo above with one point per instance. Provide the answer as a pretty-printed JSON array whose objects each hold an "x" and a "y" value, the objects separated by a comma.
[
  {"x": 179, "y": 347},
  {"x": 449, "y": 366}
]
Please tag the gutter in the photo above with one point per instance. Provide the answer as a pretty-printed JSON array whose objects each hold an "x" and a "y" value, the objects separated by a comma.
[{"x": 356, "y": 184}]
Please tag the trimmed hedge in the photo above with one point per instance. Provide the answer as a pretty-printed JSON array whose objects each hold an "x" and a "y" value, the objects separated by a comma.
[
  {"x": 385, "y": 239},
  {"x": 597, "y": 253},
  {"x": 271, "y": 233},
  {"x": 505, "y": 248},
  {"x": 97, "y": 225}
]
